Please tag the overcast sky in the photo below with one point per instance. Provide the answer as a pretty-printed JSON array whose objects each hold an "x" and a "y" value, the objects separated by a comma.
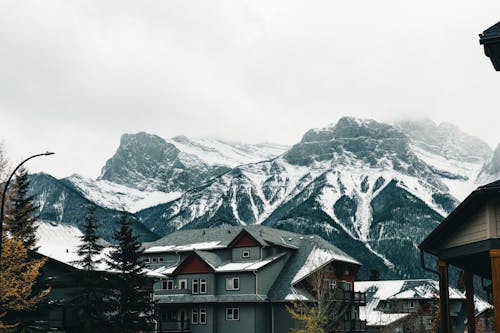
[{"x": 75, "y": 75}]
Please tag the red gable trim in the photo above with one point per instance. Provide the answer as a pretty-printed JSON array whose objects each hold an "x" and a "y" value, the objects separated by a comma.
[
  {"x": 244, "y": 239},
  {"x": 193, "y": 265}
]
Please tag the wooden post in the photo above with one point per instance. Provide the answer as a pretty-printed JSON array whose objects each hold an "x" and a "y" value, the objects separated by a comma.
[
  {"x": 444, "y": 315},
  {"x": 495, "y": 280},
  {"x": 469, "y": 295}
]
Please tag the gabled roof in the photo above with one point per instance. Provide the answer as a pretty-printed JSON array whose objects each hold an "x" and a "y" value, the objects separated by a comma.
[
  {"x": 304, "y": 254},
  {"x": 220, "y": 265},
  {"x": 459, "y": 216},
  {"x": 218, "y": 238}
]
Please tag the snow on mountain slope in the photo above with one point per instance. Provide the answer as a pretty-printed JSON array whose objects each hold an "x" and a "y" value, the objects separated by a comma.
[
  {"x": 220, "y": 152},
  {"x": 357, "y": 180},
  {"x": 110, "y": 195}
]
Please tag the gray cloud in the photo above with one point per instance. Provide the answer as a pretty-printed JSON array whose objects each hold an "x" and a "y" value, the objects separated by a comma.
[{"x": 76, "y": 75}]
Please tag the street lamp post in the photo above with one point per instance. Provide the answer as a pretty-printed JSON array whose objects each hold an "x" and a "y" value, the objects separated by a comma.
[{"x": 4, "y": 193}]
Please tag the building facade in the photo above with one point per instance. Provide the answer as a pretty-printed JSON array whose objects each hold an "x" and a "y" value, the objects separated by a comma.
[{"x": 241, "y": 279}]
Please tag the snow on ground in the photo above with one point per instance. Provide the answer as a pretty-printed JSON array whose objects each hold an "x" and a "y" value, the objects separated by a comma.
[
  {"x": 221, "y": 152},
  {"x": 110, "y": 195}
]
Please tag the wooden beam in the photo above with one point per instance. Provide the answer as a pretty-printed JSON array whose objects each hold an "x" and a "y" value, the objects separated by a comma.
[
  {"x": 469, "y": 295},
  {"x": 495, "y": 280},
  {"x": 444, "y": 305}
]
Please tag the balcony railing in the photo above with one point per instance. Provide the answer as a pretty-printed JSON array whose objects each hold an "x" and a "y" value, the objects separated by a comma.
[
  {"x": 172, "y": 291},
  {"x": 351, "y": 326},
  {"x": 356, "y": 297},
  {"x": 174, "y": 326}
]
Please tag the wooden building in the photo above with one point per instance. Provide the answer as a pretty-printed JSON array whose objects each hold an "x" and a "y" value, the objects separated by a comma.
[{"x": 469, "y": 238}]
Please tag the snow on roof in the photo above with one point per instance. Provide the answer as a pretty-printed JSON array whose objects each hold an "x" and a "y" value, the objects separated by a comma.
[
  {"x": 60, "y": 241},
  {"x": 185, "y": 248},
  {"x": 298, "y": 295},
  {"x": 319, "y": 257},
  {"x": 481, "y": 305},
  {"x": 246, "y": 266},
  {"x": 377, "y": 291}
]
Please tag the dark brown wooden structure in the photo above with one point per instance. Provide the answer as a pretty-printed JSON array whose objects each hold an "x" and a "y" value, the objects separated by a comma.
[{"x": 469, "y": 238}]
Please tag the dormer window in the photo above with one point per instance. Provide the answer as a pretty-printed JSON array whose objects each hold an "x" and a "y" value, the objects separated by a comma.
[{"x": 246, "y": 254}]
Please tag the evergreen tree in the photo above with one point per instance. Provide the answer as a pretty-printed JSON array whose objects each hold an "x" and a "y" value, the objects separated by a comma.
[
  {"x": 88, "y": 298},
  {"x": 18, "y": 276},
  {"x": 133, "y": 305},
  {"x": 21, "y": 212}
]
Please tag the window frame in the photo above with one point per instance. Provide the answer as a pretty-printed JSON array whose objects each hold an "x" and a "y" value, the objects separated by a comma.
[
  {"x": 167, "y": 284},
  {"x": 161, "y": 259},
  {"x": 245, "y": 254},
  {"x": 147, "y": 260},
  {"x": 230, "y": 312},
  {"x": 195, "y": 282},
  {"x": 232, "y": 279},
  {"x": 411, "y": 304},
  {"x": 202, "y": 315},
  {"x": 203, "y": 286},
  {"x": 180, "y": 282},
  {"x": 194, "y": 312}
]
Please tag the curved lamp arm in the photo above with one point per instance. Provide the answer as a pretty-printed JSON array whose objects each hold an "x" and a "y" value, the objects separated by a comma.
[{"x": 4, "y": 193}]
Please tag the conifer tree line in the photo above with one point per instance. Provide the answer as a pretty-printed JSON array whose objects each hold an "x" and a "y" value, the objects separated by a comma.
[{"x": 111, "y": 293}]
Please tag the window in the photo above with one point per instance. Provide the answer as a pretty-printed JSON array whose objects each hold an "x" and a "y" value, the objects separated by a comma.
[
  {"x": 195, "y": 285},
  {"x": 160, "y": 259},
  {"x": 412, "y": 304},
  {"x": 154, "y": 259},
  {"x": 183, "y": 284},
  {"x": 195, "y": 316},
  {"x": 233, "y": 283},
  {"x": 167, "y": 284},
  {"x": 147, "y": 260},
  {"x": 199, "y": 316},
  {"x": 203, "y": 316},
  {"x": 246, "y": 254},
  {"x": 331, "y": 284},
  {"x": 203, "y": 286},
  {"x": 232, "y": 313}
]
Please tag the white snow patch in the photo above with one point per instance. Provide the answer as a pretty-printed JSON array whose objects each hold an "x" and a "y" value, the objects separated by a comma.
[
  {"x": 110, "y": 195},
  {"x": 183, "y": 248}
]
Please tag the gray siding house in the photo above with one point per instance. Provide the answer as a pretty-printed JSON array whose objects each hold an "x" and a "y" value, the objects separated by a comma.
[{"x": 240, "y": 279}]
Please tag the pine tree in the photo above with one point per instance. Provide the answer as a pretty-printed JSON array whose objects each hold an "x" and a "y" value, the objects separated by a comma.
[
  {"x": 93, "y": 311},
  {"x": 133, "y": 305},
  {"x": 21, "y": 212},
  {"x": 18, "y": 276}
]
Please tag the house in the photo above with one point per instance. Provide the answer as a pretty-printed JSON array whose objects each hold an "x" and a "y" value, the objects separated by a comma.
[
  {"x": 240, "y": 279},
  {"x": 407, "y": 306}
]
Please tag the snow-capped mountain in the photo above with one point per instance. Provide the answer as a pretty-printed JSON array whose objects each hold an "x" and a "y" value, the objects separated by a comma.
[
  {"x": 147, "y": 162},
  {"x": 373, "y": 189},
  {"x": 366, "y": 186},
  {"x": 59, "y": 201}
]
